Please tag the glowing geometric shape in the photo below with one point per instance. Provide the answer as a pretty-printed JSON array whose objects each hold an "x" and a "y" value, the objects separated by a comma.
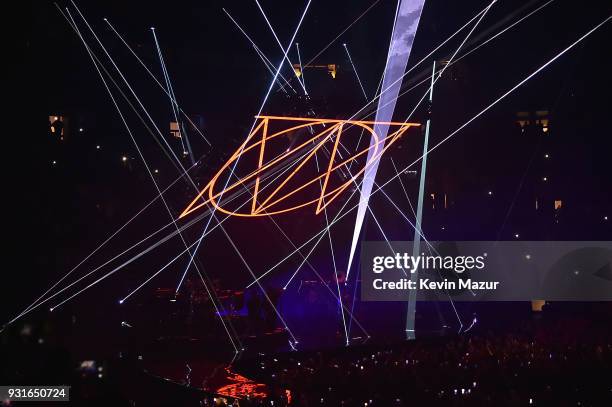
[{"x": 272, "y": 203}]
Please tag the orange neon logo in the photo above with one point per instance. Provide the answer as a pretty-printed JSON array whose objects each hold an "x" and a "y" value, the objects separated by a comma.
[{"x": 264, "y": 153}]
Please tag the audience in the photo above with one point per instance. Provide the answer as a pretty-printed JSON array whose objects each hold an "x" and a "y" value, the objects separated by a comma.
[{"x": 560, "y": 364}]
